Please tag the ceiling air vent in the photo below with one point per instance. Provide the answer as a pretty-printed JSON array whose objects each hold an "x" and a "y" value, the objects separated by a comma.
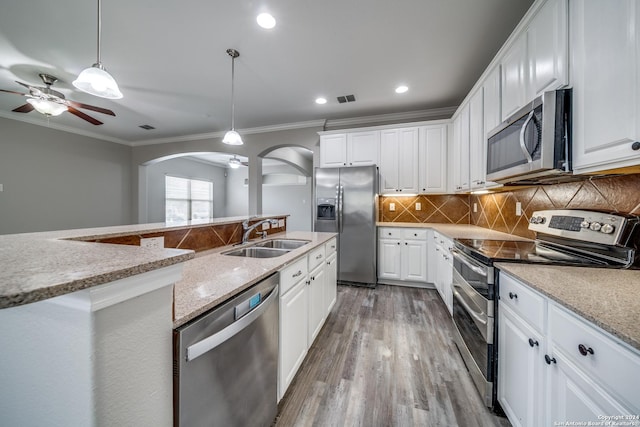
[
  {"x": 346, "y": 98},
  {"x": 146, "y": 127}
]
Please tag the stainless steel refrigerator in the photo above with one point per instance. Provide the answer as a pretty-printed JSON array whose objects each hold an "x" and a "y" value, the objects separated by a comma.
[{"x": 346, "y": 202}]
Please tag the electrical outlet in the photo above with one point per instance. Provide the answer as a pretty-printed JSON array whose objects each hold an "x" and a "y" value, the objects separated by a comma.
[
  {"x": 281, "y": 223},
  {"x": 1, "y": 188},
  {"x": 266, "y": 226},
  {"x": 418, "y": 206},
  {"x": 392, "y": 207},
  {"x": 152, "y": 242},
  {"x": 518, "y": 209},
  {"x": 475, "y": 207}
]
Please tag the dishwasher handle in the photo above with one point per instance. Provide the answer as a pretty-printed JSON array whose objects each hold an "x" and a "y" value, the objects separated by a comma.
[{"x": 203, "y": 346}]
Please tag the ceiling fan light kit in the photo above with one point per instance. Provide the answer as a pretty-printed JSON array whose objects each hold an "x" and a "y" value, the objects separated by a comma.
[
  {"x": 234, "y": 162},
  {"x": 232, "y": 137},
  {"x": 95, "y": 80},
  {"x": 46, "y": 107}
]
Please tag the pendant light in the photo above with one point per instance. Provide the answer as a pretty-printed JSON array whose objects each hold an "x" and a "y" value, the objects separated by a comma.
[
  {"x": 95, "y": 80},
  {"x": 234, "y": 162},
  {"x": 232, "y": 137}
]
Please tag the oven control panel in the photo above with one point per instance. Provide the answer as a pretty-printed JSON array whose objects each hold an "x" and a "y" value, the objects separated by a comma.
[{"x": 589, "y": 226}]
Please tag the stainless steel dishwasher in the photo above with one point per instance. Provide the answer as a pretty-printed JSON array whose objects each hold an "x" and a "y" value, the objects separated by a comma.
[{"x": 226, "y": 362}]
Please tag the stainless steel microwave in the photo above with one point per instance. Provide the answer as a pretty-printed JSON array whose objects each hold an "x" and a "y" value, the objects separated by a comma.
[{"x": 534, "y": 144}]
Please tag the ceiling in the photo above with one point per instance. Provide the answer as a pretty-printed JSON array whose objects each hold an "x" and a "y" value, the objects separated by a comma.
[{"x": 170, "y": 60}]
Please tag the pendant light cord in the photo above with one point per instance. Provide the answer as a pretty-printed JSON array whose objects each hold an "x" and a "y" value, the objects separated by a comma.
[
  {"x": 233, "y": 99},
  {"x": 99, "y": 29}
]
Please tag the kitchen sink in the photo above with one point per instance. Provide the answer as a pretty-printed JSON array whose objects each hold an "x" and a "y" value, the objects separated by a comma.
[
  {"x": 282, "y": 244},
  {"x": 257, "y": 252}
]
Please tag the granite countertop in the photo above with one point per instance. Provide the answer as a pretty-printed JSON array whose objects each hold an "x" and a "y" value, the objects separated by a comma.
[
  {"x": 610, "y": 298},
  {"x": 456, "y": 231},
  {"x": 212, "y": 278},
  {"x": 38, "y": 266}
]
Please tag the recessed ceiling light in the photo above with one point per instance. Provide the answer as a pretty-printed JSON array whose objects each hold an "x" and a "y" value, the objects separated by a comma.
[
  {"x": 321, "y": 100},
  {"x": 267, "y": 21},
  {"x": 402, "y": 89}
]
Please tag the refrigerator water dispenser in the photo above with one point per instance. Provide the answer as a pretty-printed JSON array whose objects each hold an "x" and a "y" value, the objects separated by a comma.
[{"x": 326, "y": 209}]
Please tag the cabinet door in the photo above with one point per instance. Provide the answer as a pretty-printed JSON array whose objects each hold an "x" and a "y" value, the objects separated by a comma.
[
  {"x": 414, "y": 261},
  {"x": 333, "y": 150},
  {"x": 317, "y": 308},
  {"x": 389, "y": 259},
  {"x": 389, "y": 148},
  {"x": 331, "y": 282},
  {"x": 520, "y": 382},
  {"x": 605, "y": 74},
  {"x": 572, "y": 395},
  {"x": 433, "y": 159},
  {"x": 492, "y": 115},
  {"x": 293, "y": 333},
  {"x": 460, "y": 151},
  {"x": 547, "y": 50},
  {"x": 408, "y": 160},
  {"x": 362, "y": 148},
  {"x": 477, "y": 141},
  {"x": 513, "y": 69},
  {"x": 431, "y": 257}
]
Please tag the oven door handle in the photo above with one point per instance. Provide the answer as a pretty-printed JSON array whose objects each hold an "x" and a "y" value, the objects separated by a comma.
[
  {"x": 467, "y": 308},
  {"x": 460, "y": 257}
]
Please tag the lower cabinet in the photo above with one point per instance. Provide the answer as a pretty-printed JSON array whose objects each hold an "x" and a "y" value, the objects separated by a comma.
[
  {"x": 444, "y": 268},
  {"x": 402, "y": 256},
  {"x": 308, "y": 291},
  {"x": 555, "y": 366}
]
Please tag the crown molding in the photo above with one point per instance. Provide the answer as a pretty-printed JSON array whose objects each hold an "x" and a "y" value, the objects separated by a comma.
[{"x": 407, "y": 116}]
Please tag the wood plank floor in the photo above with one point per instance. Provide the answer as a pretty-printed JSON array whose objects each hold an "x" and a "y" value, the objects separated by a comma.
[{"x": 385, "y": 357}]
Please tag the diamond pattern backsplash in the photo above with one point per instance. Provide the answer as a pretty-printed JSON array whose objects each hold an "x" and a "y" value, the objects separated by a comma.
[{"x": 446, "y": 208}]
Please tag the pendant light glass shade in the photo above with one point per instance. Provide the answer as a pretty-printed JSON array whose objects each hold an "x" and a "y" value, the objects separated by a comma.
[
  {"x": 95, "y": 80},
  {"x": 46, "y": 107},
  {"x": 234, "y": 163},
  {"x": 232, "y": 137}
]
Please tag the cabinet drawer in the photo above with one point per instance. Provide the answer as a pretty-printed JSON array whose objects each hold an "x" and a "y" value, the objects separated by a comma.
[
  {"x": 615, "y": 366},
  {"x": 316, "y": 257},
  {"x": 292, "y": 274},
  {"x": 390, "y": 233},
  {"x": 526, "y": 303},
  {"x": 330, "y": 247},
  {"x": 415, "y": 234}
]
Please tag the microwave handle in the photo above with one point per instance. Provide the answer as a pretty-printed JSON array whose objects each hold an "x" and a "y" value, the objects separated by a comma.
[{"x": 522, "y": 131}]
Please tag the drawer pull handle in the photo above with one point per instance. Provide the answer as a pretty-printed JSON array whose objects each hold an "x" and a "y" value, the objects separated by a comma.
[
  {"x": 513, "y": 296},
  {"x": 415, "y": 234},
  {"x": 635, "y": 146},
  {"x": 533, "y": 343},
  {"x": 585, "y": 351},
  {"x": 299, "y": 273},
  {"x": 549, "y": 360},
  {"x": 319, "y": 256}
]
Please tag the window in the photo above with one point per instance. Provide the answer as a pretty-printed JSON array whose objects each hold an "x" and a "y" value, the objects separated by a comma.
[{"x": 187, "y": 199}]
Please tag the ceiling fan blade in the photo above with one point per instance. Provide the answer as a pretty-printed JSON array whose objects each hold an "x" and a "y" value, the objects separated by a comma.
[
  {"x": 24, "y": 84},
  {"x": 26, "y": 108},
  {"x": 89, "y": 107},
  {"x": 84, "y": 116},
  {"x": 11, "y": 91}
]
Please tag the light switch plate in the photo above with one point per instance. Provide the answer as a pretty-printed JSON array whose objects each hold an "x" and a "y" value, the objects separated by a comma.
[
  {"x": 392, "y": 207},
  {"x": 518, "y": 209},
  {"x": 152, "y": 242},
  {"x": 418, "y": 206},
  {"x": 1, "y": 188},
  {"x": 281, "y": 223},
  {"x": 475, "y": 207},
  {"x": 266, "y": 226}
]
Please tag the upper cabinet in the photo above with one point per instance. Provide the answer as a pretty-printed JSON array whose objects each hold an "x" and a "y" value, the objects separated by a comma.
[
  {"x": 605, "y": 73},
  {"x": 433, "y": 159},
  {"x": 349, "y": 149},
  {"x": 477, "y": 141},
  {"x": 537, "y": 61},
  {"x": 492, "y": 105},
  {"x": 459, "y": 159},
  {"x": 399, "y": 160}
]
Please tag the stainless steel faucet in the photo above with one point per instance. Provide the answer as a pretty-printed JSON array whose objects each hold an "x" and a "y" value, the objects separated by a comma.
[{"x": 248, "y": 229}]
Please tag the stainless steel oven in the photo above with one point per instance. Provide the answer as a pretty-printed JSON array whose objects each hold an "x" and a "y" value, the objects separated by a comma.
[{"x": 473, "y": 316}]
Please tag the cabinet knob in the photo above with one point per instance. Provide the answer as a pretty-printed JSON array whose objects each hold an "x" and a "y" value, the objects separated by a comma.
[
  {"x": 406, "y": 243},
  {"x": 549, "y": 360},
  {"x": 513, "y": 296},
  {"x": 585, "y": 351},
  {"x": 415, "y": 234},
  {"x": 389, "y": 234},
  {"x": 532, "y": 342},
  {"x": 398, "y": 243},
  {"x": 344, "y": 164},
  {"x": 635, "y": 146}
]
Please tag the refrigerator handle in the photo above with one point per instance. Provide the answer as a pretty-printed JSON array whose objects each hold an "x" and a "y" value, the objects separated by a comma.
[{"x": 340, "y": 207}]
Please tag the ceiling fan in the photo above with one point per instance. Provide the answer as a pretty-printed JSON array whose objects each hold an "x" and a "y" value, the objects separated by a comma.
[{"x": 53, "y": 103}]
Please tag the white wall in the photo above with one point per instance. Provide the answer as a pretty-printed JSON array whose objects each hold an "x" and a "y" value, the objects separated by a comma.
[
  {"x": 56, "y": 180},
  {"x": 237, "y": 200},
  {"x": 185, "y": 168}
]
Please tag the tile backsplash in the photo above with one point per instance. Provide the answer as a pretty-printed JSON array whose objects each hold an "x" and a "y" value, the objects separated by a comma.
[{"x": 497, "y": 211}]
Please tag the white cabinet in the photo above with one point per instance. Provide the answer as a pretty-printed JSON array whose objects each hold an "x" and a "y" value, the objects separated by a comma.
[
  {"x": 521, "y": 362},
  {"x": 492, "y": 102},
  {"x": 459, "y": 159},
  {"x": 331, "y": 279},
  {"x": 433, "y": 159},
  {"x": 316, "y": 282},
  {"x": 444, "y": 269},
  {"x": 605, "y": 74},
  {"x": 537, "y": 61},
  {"x": 349, "y": 149},
  {"x": 399, "y": 160},
  {"x": 477, "y": 141},
  {"x": 402, "y": 256},
  {"x": 555, "y": 365}
]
